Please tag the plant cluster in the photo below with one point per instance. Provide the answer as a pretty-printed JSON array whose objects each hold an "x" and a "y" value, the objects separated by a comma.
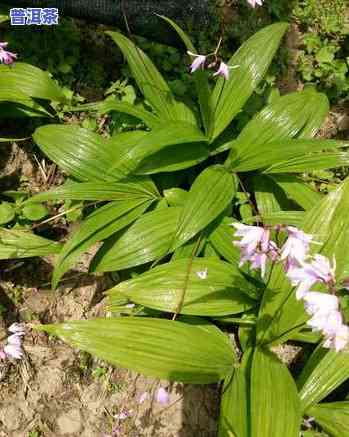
[
  {"x": 160, "y": 200},
  {"x": 324, "y": 57}
]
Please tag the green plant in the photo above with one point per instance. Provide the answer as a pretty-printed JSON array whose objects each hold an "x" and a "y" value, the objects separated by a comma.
[
  {"x": 162, "y": 198},
  {"x": 324, "y": 60}
]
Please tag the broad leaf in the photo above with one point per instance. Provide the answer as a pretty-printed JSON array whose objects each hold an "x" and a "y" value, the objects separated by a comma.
[
  {"x": 209, "y": 196},
  {"x": 275, "y": 407},
  {"x": 220, "y": 292},
  {"x": 221, "y": 239},
  {"x": 109, "y": 105},
  {"x": 148, "y": 239},
  {"x": 328, "y": 221},
  {"x": 201, "y": 82},
  {"x": 160, "y": 348},
  {"x": 99, "y": 225},
  {"x": 253, "y": 59},
  {"x": 323, "y": 373},
  {"x": 282, "y": 150},
  {"x": 298, "y": 190},
  {"x": 289, "y": 116},
  {"x": 23, "y": 244},
  {"x": 30, "y": 81},
  {"x": 142, "y": 188},
  {"x": 234, "y": 417},
  {"x": 332, "y": 417},
  {"x": 148, "y": 78}
]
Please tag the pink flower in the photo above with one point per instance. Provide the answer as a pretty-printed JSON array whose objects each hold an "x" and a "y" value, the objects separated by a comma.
[
  {"x": 223, "y": 71},
  {"x": 253, "y": 3},
  {"x": 339, "y": 339},
  {"x": 17, "y": 328},
  {"x": 2, "y": 355},
  {"x": 13, "y": 348},
  {"x": 252, "y": 236},
  {"x": 162, "y": 396},
  {"x": 5, "y": 56},
  {"x": 199, "y": 61},
  {"x": 123, "y": 414},
  {"x": 296, "y": 246},
  {"x": 304, "y": 277},
  {"x": 320, "y": 303}
]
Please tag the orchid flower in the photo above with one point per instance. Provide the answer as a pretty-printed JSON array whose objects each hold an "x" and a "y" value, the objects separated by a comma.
[
  {"x": 224, "y": 70},
  {"x": 162, "y": 396},
  {"x": 199, "y": 61},
  {"x": 6, "y": 57},
  {"x": 296, "y": 246}
]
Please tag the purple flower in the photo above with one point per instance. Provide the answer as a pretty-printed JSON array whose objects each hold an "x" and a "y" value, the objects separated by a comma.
[
  {"x": 253, "y": 3},
  {"x": 13, "y": 348},
  {"x": 5, "y": 56},
  {"x": 297, "y": 245},
  {"x": 162, "y": 396},
  {"x": 199, "y": 61},
  {"x": 339, "y": 339},
  {"x": 252, "y": 236},
  {"x": 223, "y": 71},
  {"x": 304, "y": 277},
  {"x": 320, "y": 303},
  {"x": 17, "y": 328}
]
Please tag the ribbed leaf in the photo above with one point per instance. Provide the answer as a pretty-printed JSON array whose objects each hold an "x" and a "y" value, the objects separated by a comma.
[
  {"x": 324, "y": 372},
  {"x": 319, "y": 161},
  {"x": 108, "y": 105},
  {"x": 23, "y": 244},
  {"x": 177, "y": 351},
  {"x": 221, "y": 239},
  {"x": 329, "y": 223},
  {"x": 210, "y": 194},
  {"x": 270, "y": 198},
  {"x": 294, "y": 218},
  {"x": 221, "y": 292},
  {"x": 274, "y": 152},
  {"x": 201, "y": 82},
  {"x": 163, "y": 149},
  {"x": 96, "y": 227},
  {"x": 332, "y": 417},
  {"x": 234, "y": 417},
  {"x": 148, "y": 78},
  {"x": 253, "y": 59},
  {"x": 31, "y": 81},
  {"x": 275, "y": 407},
  {"x": 289, "y": 116},
  {"x": 80, "y": 152},
  {"x": 142, "y": 188},
  {"x": 298, "y": 190},
  {"x": 149, "y": 238}
]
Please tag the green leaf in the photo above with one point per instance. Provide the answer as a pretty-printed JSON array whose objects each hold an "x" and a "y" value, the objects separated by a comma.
[
  {"x": 253, "y": 59},
  {"x": 281, "y": 150},
  {"x": 209, "y": 196},
  {"x": 80, "y": 152},
  {"x": 34, "y": 212},
  {"x": 23, "y": 244},
  {"x": 234, "y": 417},
  {"x": 275, "y": 407},
  {"x": 332, "y": 417},
  {"x": 319, "y": 161},
  {"x": 109, "y": 105},
  {"x": 221, "y": 292},
  {"x": 221, "y": 239},
  {"x": 177, "y": 351},
  {"x": 148, "y": 239},
  {"x": 294, "y": 218},
  {"x": 201, "y": 82},
  {"x": 324, "y": 372},
  {"x": 281, "y": 314},
  {"x": 293, "y": 115},
  {"x": 297, "y": 190},
  {"x": 96, "y": 227},
  {"x": 149, "y": 80},
  {"x": 141, "y": 188},
  {"x": 270, "y": 198},
  {"x": 175, "y": 146},
  {"x": 7, "y": 213},
  {"x": 30, "y": 81}
]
